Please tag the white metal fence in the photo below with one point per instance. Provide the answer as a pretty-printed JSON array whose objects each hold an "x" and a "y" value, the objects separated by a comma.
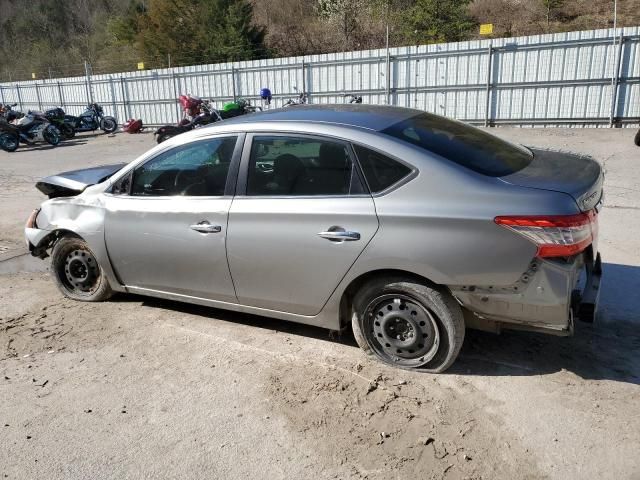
[{"x": 575, "y": 78}]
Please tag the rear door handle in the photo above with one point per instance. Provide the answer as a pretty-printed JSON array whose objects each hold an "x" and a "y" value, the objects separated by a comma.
[
  {"x": 340, "y": 235},
  {"x": 206, "y": 227}
]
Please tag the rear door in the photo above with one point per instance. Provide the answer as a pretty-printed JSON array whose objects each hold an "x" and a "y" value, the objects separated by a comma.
[{"x": 300, "y": 219}]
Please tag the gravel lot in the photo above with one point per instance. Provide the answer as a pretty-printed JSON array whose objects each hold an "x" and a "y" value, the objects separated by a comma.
[{"x": 143, "y": 388}]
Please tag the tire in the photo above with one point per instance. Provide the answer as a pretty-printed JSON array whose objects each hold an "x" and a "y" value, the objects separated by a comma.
[
  {"x": 77, "y": 273},
  {"x": 428, "y": 319},
  {"x": 637, "y": 139},
  {"x": 109, "y": 124},
  {"x": 8, "y": 142},
  {"x": 51, "y": 135},
  {"x": 163, "y": 137},
  {"x": 67, "y": 131}
]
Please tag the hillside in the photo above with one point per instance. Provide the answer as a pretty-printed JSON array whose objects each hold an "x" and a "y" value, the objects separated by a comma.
[{"x": 50, "y": 38}]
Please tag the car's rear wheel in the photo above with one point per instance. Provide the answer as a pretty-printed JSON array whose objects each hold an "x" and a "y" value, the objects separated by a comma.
[
  {"x": 77, "y": 273},
  {"x": 407, "y": 324}
]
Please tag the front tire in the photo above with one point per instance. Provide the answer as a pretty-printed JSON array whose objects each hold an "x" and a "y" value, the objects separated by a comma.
[
  {"x": 77, "y": 273},
  {"x": 8, "y": 142},
  {"x": 408, "y": 324},
  {"x": 109, "y": 124},
  {"x": 51, "y": 135}
]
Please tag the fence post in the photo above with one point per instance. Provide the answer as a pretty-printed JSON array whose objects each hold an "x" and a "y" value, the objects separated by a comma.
[
  {"x": 88, "y": 82},
  {"x": 2, "y": 95},
  {"x": 125, "y": 102},
  {"x": 488, "y": 94},
  {"x": 176, "y": 94},
  {"x": 38, "y": 97},
  {"x": 113, "y": 97},
  {"x": 60, "y": 95},
  {"x": 19, "y": 97},
  {"x": 233, "y": 82},
  {"x": 615, "y": 82}
]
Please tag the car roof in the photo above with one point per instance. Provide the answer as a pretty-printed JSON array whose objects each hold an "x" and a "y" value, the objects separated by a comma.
[{"x": 371, "y": 117}]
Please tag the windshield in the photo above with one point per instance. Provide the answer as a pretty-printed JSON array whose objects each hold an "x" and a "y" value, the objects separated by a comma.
[{"x": 463, "y": 144}]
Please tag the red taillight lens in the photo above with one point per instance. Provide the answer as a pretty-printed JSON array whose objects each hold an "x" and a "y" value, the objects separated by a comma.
[{"x": 555, "y": 235}]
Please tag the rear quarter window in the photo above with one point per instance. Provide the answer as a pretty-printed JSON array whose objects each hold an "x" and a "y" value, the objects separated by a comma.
[
  {"x": 463, "y": 144},
  {"x": 380, "y": 171}
]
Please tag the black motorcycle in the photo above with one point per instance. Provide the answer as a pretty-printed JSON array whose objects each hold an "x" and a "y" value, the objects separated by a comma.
[
  {"x": 353, "y": 98},
  {"x": 32, "y": 128},
  {"x": 57, "y": 117},
  {"x": 92, "y": 119}
]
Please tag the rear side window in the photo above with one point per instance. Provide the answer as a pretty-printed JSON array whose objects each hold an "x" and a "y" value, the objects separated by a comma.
[
  {"x": 380, "y": 171},
  {"x": 460, "y": 143}
]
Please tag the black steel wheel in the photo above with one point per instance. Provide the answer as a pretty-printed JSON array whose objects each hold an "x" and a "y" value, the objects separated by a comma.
[
  {"x": 407, "y": 324},
  {"x": 76, "y": 271}
]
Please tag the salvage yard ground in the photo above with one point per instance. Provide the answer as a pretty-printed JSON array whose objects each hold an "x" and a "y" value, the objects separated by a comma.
[{"x": 144, "y": 388}]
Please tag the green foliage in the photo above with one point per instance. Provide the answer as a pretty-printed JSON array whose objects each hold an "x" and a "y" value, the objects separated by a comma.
[{"x": 431, "y": 21}]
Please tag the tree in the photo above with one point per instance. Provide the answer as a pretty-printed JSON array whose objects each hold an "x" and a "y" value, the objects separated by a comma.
[
  {"x": 551, "y": 5},
  {"x": 431, "y": 21}
]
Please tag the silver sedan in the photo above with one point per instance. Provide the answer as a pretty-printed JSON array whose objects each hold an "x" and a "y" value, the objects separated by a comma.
[{"x": 404, "y": 226}]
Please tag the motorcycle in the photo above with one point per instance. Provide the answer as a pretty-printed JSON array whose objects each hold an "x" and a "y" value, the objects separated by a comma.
[
  {"x": 353, "y": 98},
  {"x": 207, "y": 115},
  {"x": 57, "y": 117},
  {"x": 9, "y": 114},
  {"x": 301, "y": 100},
  {"x": 30, "y": 129},
  {"x": 92, "y": 119}
]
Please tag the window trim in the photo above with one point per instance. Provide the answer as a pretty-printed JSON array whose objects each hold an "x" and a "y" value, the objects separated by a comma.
[
  {"x": 414, "y": 171},
  {"x": 230, "y": 184},
  {"x": 243, "y": 175}
]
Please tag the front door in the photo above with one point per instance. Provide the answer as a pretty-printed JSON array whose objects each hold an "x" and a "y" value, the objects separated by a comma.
[
  {"x": 166, "y": 222},
  {"x": 300, "y": 223}
]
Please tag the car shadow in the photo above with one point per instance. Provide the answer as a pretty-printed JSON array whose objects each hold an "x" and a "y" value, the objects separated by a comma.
[{"x": 606, "y": 350}]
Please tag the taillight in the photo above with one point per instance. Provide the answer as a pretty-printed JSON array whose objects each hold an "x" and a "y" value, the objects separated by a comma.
[{"x": 555, "y": 235}]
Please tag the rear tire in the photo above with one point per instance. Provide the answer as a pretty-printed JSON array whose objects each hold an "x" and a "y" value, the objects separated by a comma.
[
  {"x": 8, "y": 142},
  {"x": 408, "y": 324},
  {"x": 51, "y": 135},
  {"x": 77, "y": 273},
  {"x": 67, "y": 131}
]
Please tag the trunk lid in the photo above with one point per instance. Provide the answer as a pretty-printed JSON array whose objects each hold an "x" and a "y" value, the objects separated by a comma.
[
  {"x": 69, "y": 184},
  {"x": 579, "y": 176}
]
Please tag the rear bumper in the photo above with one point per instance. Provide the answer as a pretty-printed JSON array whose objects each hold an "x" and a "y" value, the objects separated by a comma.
[{"x": 547, "y": 297}]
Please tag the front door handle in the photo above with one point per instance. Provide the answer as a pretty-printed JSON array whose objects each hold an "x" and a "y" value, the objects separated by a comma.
[
  {"x": 206, "y": 227},
  {"x": 339, "y": 235}
]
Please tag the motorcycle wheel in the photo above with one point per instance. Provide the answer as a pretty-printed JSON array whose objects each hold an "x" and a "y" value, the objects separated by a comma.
[
  {"x": 109, "y": 124},
  {"x": 67, "y": 131},
  {"x": 51, "y": 135},
  {"x": 8, "y": 142},
  {"x": 637, "y": 139},
  {"x": 164, "y": 136}
]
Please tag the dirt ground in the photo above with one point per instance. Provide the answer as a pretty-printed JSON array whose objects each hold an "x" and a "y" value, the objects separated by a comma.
[{"x": 143, "y": 388}]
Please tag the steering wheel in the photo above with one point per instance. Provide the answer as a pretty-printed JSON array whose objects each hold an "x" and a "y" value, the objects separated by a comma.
[{"x": 190, "y": 177}]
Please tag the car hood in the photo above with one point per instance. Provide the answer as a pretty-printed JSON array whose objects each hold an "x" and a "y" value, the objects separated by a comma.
[
  {"x": 69, "y": 184},
  {"x": 577, "y": 175}
]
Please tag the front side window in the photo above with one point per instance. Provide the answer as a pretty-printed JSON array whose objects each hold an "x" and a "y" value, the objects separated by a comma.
[
  {"x": 300, "y": 166},
  {"x": 196, "y": 169},
  {"x": 463, "y": 144}
]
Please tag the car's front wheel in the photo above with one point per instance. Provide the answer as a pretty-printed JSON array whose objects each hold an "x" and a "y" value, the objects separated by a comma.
[
  {"x": 408, "y": 324},
  {"x": 77, "y": 273}
]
